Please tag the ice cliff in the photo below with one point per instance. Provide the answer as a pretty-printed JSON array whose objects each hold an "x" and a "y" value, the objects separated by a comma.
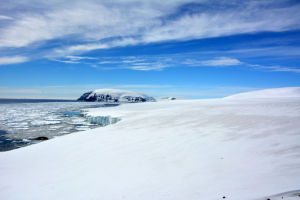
[{"x": 102, "y": 120}]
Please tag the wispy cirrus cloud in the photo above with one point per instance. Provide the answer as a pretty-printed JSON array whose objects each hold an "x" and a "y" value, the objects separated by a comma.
[
  {"x": 75, "y": 60},
  {"x": 251, "y": 19},
  {"x": 7, "y": 60},
  {"x": 275, "y": 68},
  {"x": 66, "y": 61},
  {"x": 3, "y": 17},
  {"x": 215, "y": 62},
  {"x": 84, "y": 26},
  {"x": 161, "y": 62},
  {"x": 228, "y": 62},
  {"x": 80, "y": 58},
  {"x": 148, "y": 67},
  {"x": 222, "y": 61},
  {"x": 90, "y": 25}
]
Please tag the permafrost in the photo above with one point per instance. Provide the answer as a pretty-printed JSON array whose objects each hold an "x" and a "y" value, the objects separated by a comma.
[{"x": 102, "y": 120}]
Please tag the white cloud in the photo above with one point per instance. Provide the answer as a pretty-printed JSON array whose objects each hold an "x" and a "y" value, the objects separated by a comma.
[
  {"x": 108, "y": 62},
  {"x": 221, "y": 61},
  {"x": 12, "y": 60},
  {"x": 284, "y": 69},
  {"x": 75, "y": 58},
  {"x": 139, "y": 63},
  {"x": 66, "y": 61},
  {"x": 152, "y": 67},
  {"x": 90, "y": 25},
  {"x": 161, "y": 62},
  {"x": 3, "y": 17},
  {"x": 275, "y": 68},
  {"x": 86, "y": 21},
  {"x": 216, "y": 62},
  {"x": 249, "y": 19},
  {"x": 93, "y": 46}
]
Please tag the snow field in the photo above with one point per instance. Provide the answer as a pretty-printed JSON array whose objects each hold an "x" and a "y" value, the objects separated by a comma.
[{"x": 168, "y": 150}]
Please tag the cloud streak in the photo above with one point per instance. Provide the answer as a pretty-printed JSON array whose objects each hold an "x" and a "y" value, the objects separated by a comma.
[
  {"x": 3, "y": 17},
  {"x": 162, "y": 62},
  {"x": 275, "y": 68},
  {"x": 215, "y": 62},
  {"x": 222, "y": 61},
  {"x": 12, "y": 60}
]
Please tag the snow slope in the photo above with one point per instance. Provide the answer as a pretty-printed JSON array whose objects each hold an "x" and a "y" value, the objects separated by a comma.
[
  {"x": 290, "y": 92},
  {"x": 114, "y": 95},
  {"x": 168, "y": 150}
]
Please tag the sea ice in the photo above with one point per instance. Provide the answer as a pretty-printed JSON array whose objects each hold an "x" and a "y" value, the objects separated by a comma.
[{"x": 31, "y": 120}]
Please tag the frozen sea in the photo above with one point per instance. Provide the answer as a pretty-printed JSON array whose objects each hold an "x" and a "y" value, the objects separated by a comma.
[{"x": 24, "y": 120}]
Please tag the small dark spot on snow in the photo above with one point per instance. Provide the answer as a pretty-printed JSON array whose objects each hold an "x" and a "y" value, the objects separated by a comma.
[
  {"x": 41, "y": 138},
  {"x": 224, "y": 197}
]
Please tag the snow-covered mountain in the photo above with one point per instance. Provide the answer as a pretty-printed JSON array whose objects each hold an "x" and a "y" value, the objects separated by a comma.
[{"x": 116, "y": 96}]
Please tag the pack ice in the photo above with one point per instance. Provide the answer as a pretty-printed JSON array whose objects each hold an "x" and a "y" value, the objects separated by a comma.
[{"x": 242, "y": 147}]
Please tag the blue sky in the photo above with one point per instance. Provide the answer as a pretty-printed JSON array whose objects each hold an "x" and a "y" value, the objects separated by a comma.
[{"x": 195, "y": 49}]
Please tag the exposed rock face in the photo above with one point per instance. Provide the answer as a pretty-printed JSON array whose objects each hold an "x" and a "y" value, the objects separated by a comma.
[
  {"x": 84, "y": 97},
  {"x": 115, "y": 96}
]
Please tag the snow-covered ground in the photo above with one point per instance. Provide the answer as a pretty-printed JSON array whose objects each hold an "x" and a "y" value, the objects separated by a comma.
[{"x": 232, "y": 148}]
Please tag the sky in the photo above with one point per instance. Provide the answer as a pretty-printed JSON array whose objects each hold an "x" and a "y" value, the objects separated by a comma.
[{"x": 193, "y": 49}]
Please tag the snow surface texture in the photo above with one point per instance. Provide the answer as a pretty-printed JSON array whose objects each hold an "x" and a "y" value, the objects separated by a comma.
[
  {"x": 115, "y": 96},
  {"x": 168, "y": 150}
]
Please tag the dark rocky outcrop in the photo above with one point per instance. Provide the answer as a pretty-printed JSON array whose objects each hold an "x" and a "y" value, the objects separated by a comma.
[{"x": 40, "y": 138}]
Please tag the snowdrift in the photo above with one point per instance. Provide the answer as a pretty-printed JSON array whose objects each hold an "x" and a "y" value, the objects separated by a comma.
[{"x": 168, "y": 150}]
